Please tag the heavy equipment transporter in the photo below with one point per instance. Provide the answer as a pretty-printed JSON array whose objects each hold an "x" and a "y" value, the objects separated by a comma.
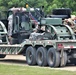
[{"x": 55, "y": 47}]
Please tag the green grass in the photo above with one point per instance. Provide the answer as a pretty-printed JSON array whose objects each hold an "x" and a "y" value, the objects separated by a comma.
[{"x": 30, "y": 70}]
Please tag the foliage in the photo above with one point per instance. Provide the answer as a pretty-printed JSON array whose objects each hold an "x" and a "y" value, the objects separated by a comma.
[
  {"x": 48, "y": 4},
  {"x": 31, "y": 70}
]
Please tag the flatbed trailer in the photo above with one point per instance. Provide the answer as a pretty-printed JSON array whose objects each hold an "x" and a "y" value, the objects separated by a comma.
[{"x": 55, "y": 52}]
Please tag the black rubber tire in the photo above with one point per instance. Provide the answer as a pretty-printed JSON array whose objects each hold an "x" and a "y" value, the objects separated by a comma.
[
  {"x": 53, "y": 58},
  {"x": 31, "y": 55},
  {"x": 2, "y": 56},
  {"x": 41, "y": 56}
]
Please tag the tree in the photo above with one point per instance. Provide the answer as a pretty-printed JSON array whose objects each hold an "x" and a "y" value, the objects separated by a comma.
[{"x": 48, "y": 4}]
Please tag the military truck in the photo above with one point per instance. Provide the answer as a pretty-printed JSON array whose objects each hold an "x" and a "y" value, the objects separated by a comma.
[
  {"x": 55, "y": 47},
  {"x": 23, "y": 20}
]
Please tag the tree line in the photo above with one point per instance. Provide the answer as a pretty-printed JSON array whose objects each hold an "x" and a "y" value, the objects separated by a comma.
[{"x": 48, "y": 4}]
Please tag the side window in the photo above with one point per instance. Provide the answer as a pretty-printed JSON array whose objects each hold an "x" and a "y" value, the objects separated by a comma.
[
  {"x": 25, "y": 21},
  {"x": 16, "y": 24}
]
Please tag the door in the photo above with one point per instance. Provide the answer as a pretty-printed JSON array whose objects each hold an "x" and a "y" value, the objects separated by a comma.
[{"x": 21, "y": 27}]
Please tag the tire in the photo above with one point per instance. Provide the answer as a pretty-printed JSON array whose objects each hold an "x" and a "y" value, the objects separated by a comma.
[
  {"x": 41, "y": 56},
  {"x": 53, "y": 58},
  {"x": 2, "y": 56},
  {"x": 30, "y": 55}
]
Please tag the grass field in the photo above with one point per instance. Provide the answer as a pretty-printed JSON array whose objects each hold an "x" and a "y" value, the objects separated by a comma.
[{"x": 31, "y": 70}]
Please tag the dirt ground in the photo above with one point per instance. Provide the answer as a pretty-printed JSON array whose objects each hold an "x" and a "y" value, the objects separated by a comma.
[{"x": 21, "y": 60}]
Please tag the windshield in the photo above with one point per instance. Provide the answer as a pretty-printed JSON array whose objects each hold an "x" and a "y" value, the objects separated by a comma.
[{"x": 34, "y": 15}]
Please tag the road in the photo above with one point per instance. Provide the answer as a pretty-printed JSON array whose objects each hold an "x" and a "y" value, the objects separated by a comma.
[
  {"x": 14, "y": 59},
  {"x": 21, "y": 61}
]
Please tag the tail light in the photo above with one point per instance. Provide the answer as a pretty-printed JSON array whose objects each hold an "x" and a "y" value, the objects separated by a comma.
[
  {"x": 71, "y": 46},
  {"x": 60, "y": 45}
]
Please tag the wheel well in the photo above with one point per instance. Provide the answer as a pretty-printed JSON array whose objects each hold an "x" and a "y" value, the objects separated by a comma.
[
  {"x": 37, "y": 46},
  {"x": 23, "y": 52},
  {"x": 47, "y": 47}
]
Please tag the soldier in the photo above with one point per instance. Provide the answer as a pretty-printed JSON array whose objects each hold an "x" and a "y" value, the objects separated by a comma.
[
  {"x": 65, "y": 21},
  {"x": 36, "y": 33},
  {"x": 75, "y": 24},
  {"x": 75, "y": 20},
  {"x": 71, "y": 23},
  {"x": 10, "y": 26},
  {"x": 10, "y": 23}
]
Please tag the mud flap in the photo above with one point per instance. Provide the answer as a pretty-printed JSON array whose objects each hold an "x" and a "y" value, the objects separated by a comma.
[{"x": 62, "y": 57}]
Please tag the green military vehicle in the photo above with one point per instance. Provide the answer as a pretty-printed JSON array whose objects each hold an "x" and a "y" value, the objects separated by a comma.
[{"x": 55, "y": 46}]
